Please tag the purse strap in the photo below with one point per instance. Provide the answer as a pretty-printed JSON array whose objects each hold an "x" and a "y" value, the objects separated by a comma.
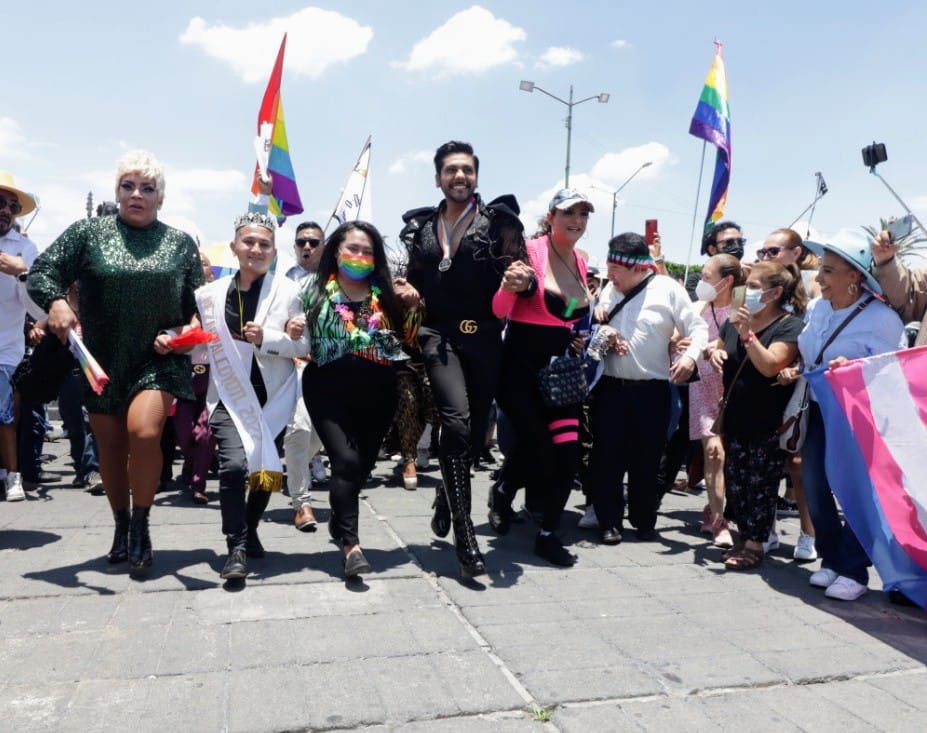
[
  {"x": 627, "y": 298},
  {"x": 730, "y": 389},
  {"x": 843, "y": 325}
]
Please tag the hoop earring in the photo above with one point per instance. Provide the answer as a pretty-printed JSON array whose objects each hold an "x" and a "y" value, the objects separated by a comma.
[{"x": 853, "y": 288}]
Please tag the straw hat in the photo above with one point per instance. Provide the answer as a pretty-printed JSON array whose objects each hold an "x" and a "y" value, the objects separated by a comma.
[{"x": 25, "y": 200}]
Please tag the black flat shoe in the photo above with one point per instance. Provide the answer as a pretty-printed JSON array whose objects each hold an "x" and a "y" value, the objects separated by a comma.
[
  {"x": 235, "y": 566},
  {"x": 611, "y": 536},
  {"x": 646, "y": 535},
  {"x": 551, "y": 549},
  {"x": 355, "y": 563}
]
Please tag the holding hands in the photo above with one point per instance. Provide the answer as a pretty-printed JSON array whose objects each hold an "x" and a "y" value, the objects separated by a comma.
[{"x": 517, "y": 277}]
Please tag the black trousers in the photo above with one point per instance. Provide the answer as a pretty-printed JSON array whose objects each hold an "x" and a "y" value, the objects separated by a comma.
[
  {"x": 351, "y": 402},
  {"x": 545, "y": 453},
  {"x": 463, "y": 369},
  {"x": 233, "y": 480},
  {"x": 629, "y": 422}
]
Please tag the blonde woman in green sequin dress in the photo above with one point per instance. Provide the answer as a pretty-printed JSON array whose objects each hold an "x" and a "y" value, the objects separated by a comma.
[{"x": 137, "y": 277}]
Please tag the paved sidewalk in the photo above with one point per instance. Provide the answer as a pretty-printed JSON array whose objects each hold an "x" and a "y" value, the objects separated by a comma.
[{"x": 643, "y": 636}]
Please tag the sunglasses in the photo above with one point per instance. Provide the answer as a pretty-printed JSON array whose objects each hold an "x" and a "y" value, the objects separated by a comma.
[
  {"x": 768, "y": 252},
  {"x": 731, "y": 242},
  {"x": 311, "y": 241},
  {"x": 12, "y": 204}
]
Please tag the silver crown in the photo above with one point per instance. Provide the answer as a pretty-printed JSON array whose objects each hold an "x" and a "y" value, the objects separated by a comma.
[{"x": 258, "y": 218}]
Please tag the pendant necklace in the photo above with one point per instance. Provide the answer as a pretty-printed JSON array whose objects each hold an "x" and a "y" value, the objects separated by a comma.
[{"x": 445, "y": 264}]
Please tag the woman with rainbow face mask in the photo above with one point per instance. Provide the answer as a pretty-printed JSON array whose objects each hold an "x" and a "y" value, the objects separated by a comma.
[{"x": 355, "y": 324}]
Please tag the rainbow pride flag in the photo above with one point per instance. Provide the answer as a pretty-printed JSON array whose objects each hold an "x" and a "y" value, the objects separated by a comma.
[
  {"x": 875, "y": 420},
  {"x": 712, "y": 123},
  {"x": 284, "y": 201}
]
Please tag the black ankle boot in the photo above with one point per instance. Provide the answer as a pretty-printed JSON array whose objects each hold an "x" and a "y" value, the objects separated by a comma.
[
  {"x": 456, "y": 472},
  {"x": 441, "y": 521},
  {"x": 254, "y": 510},
  {"x": 501, "y": 514},
  {"x": 140, "y": 555},
  {"x": 119, "y": 552}
]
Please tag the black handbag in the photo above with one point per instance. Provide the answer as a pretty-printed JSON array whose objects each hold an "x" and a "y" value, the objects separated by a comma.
[{"x": 563, "y": 381}]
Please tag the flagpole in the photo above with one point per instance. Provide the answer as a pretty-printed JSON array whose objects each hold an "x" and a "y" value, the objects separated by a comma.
[
  {"x": 817, "y": 197},
  {"x": 367, "y": 175},
  {"x": 698, "y": 191},
  {"x": 335, "y": 207}
]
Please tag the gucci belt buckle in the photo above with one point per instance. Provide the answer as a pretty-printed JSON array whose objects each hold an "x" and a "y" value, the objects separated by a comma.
[
  {"x": 469, "y": 326},
  {"x": 199, "y": 368}
]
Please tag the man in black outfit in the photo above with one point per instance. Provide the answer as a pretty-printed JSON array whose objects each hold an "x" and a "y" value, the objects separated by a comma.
[{"x": 458, "y": 252}]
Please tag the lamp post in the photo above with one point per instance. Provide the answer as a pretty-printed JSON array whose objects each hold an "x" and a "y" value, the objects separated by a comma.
[
  {"x": 530, "y": 86},
  {"x": 618, "y": 190}
]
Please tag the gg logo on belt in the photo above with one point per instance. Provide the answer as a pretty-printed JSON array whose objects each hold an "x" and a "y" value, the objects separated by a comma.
[
  {"x": 199, "y": 368},
  {"x": 469, "y": 326}
]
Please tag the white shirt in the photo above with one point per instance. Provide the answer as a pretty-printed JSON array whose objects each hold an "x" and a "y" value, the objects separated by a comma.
[
  {"x": 876, "y": 330},
  {"x": 297, "y": 272},
  {"x": 14, "y": 302},
  {"x": 647, "y": 323}
]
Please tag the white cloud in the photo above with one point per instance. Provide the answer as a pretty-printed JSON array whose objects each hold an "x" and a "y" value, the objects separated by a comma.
[
  {"x": 402, "y": 163},
  {"x": 12, "y": 140},
  {"x": 559, "y": 56},
  {"x": 472, "y": 41},
  {"x": 316, "y": 39},
  {"x": 620, "y": 43},
  {"x": 614, "y": 168}
]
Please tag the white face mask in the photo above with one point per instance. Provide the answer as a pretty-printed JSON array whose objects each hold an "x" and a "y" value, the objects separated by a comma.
[
  {"x": 753, "y": 300},
  {"x": 705, "y": 291}
]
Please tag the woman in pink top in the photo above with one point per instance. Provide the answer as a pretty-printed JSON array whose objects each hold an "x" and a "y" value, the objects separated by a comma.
[{"x": 545, "y": 455}]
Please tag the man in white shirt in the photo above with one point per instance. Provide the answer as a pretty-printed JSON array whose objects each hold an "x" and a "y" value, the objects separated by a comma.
[
  {"x": 17, "y": 253},
  {"x": 302, "y": 442},
  {"x": 630, "y": 404}
]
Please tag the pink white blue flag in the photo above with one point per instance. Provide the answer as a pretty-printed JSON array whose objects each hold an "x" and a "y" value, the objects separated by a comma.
[{"x": 875, "y": 418}]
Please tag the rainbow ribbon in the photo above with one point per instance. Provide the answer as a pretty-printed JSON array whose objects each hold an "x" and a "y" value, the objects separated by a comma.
[{"x": 91, "y": 367}]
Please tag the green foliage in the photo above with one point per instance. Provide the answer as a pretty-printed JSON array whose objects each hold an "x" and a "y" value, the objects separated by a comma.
[
  {"x": 677, "y": 270},
  {"x": 913, "y": 245}
]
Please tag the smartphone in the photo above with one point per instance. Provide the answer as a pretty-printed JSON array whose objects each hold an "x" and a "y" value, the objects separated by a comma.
[
  {"x": 900, "y": 228},
  {"x": 874, "y": 154},
  {"x": 650, "y": 230},
  {"x": 737, "y": 297}
]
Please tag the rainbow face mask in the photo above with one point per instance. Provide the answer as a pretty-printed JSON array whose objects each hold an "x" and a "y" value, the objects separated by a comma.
[{"x": 356, "y": 267}]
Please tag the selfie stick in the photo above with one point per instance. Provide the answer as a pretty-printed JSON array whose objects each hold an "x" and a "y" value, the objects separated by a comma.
[
  {"x": 898, "y": 198},
  {"x": 819, "y": 191}
]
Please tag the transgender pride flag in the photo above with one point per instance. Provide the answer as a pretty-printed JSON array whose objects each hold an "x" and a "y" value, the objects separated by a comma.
[{"x": 875, "y": 418}]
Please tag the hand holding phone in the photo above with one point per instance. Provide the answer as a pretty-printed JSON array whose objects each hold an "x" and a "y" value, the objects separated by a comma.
[
  {"x": 900, "y": 228},
  {"x": 737, "y": 297},
  {"x": 650, "y": 230}
]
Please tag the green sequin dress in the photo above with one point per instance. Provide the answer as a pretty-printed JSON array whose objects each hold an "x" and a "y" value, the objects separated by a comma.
[{"x": 133, "y": 283}]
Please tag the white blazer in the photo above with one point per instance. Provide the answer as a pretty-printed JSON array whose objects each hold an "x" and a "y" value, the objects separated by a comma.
[{"x": 278, "y": 302}]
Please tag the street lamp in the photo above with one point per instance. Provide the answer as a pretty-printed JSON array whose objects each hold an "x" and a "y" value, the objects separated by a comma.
[
  {"x": 618, "y": 190},
  {"x": 530, "y": 86}
]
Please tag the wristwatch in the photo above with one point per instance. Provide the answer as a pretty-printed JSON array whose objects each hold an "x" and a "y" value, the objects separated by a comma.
[{"x": 22, "y": 276}]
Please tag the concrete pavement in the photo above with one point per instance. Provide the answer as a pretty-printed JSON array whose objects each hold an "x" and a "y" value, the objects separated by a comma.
[{"x": 642, "y": 636}]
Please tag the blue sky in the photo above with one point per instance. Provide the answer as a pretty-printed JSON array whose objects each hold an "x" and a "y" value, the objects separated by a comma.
[{"x": 810, "y": 84}]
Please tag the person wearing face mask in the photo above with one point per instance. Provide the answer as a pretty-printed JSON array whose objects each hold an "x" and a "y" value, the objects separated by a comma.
[
  {"x": 355, "y": 323},
  {"x": 253, "y": 386},
  {"x": 725, "y": 237},
  {"x": 545, "y": 455},
  {"x": 720, "y": 275},
  {"x": 758, "y": 341}
]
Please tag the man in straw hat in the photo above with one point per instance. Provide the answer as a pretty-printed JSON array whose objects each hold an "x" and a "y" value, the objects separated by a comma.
[{"x": 17, "y": 253}]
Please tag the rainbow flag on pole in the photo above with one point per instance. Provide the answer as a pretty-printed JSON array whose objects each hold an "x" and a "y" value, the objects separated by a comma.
[
  {"x": 271, "y": 130},
  {"x": 712, "y": 123}
]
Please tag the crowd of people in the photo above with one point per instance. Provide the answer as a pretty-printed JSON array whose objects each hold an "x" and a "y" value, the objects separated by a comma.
[{"x": 590, "y": 385}]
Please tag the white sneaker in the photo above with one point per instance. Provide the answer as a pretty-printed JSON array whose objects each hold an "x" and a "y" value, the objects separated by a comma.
[
  {"x": 845, "y": 589},
  {"x": 804, "y": 548},
  {"x": 772, "y": 543},
  {"x": 14, "y": 487},
  {"x": 317, "y": 469},
  {"x": 823, "y": 578},
  {"x": 93, "y": 483},
  {"x": 422, "y": 458},
  {"x": 589, "y": 520}
]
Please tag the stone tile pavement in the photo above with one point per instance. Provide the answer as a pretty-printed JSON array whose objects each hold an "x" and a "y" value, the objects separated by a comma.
[{"x": 643, "y": 636}]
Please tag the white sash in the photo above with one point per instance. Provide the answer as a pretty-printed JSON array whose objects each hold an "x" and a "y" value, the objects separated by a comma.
[{"x": 230, "y": 369}]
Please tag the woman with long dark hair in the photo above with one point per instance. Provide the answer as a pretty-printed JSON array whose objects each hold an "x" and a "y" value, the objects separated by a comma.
[{"x": 355, "y": 324}]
